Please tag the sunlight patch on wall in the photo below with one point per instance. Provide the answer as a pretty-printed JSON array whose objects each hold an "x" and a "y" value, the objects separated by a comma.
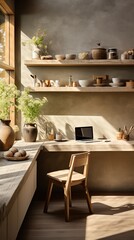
[{"x": 67, "y": 124}]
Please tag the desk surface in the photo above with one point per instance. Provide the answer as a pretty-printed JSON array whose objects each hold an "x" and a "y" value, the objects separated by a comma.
[{"x": 72, "y": 145}]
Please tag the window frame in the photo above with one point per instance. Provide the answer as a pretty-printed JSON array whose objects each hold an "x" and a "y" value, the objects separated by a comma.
[{"x": 9, "y": 65}]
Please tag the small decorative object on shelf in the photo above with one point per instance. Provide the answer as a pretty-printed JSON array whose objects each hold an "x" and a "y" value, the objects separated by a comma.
[
  {"x": 50, "y": 132},
  {"x": 47, "y": 83},
  {"x": 130, "y": 84},
  {"x": 83, "y": 56},
  {"x": 58, "y": 136},
  {"x": 60, "y": 57},
  {"x": 120, "y": 134},
  {"x": 39, "y": 44},
  {"x": 55, "y": 83},
  {"x": 124, "y": 55},
  {"x": 70, "y": 56},
  {"x": 34, "y": 79},
  {"x": 112, "y": 53},
  {"x": 74, "y": 84},
  {"x": 124, "y": 133},
  {"x": 70, "y": 81},
  {"x": 131, "y": 54},
  {"x": 46, "y": 57},
  {"x": 127, "y": 132},
  {"x": 99, "y": 52}
]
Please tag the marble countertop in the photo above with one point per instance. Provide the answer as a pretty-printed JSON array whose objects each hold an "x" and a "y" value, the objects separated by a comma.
[{"x": 13, "y": 174}]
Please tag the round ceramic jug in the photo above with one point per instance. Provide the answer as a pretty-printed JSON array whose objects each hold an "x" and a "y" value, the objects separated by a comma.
[
  {"x": 99, "y": 53},
  {"x": 30, "y": 132},
  {"x": 7, "y": 135}
]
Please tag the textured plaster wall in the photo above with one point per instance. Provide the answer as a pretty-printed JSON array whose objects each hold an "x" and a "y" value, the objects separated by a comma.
[{"x": 73, "y": 27}]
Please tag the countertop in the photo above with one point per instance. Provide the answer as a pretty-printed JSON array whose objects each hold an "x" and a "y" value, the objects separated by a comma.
[{"x": 13, "y": 174}]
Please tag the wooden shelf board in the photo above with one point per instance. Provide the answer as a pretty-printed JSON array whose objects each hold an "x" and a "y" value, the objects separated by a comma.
[
  {"x": 82, "y": 89},
  {"x": 76, "y": 62}
]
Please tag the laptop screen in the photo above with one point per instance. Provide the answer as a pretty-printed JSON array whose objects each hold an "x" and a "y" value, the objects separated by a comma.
[{"x": 83, "y": 133}]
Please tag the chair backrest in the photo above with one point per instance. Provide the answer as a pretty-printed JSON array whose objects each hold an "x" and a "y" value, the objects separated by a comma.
[{"x": 78, "y": 160}]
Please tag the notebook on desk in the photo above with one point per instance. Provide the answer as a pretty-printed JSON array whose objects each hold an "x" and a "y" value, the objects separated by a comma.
[{"x": 85, "y": 134}]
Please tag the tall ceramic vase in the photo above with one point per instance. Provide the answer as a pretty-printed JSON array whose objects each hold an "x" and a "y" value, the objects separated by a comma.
[
  {"x": 7, "y": 135},
  {"x": 30, "y": 132},
  {"x": 35, "y": 52}
]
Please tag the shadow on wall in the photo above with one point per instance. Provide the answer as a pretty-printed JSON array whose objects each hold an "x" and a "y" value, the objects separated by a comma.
[
  {"x": 47, "y": 128},
  {"x": 66, "y": 126}
]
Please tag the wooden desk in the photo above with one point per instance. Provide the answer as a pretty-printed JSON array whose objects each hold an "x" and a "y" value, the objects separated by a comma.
[
  {"x": 72, "y": 145},
  {"x": 111, "y": 167}
]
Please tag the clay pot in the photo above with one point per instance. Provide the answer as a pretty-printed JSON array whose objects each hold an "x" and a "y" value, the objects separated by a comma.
[
  {"x": 99, "y": 53},
  {"x": 7, "y": 135},
  {"x": 30, "y": 132}
]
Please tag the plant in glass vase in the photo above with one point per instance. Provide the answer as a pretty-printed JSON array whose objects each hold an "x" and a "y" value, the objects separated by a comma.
[
  {"x": 30, "y": 108},
  {"x": 8, "y": 94}
]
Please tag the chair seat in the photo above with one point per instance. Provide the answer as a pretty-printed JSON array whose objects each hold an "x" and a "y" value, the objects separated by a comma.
[{"x": 62, "y": 176}]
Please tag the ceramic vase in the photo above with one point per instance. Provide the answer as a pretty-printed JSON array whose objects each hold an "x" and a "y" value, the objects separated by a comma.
[
  {"x": 7, "y": 135},
  {"x": 30, "y": 132},
  {"x": 35, "y": 52}
]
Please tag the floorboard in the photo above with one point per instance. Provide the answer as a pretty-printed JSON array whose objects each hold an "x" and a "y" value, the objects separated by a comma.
[{"x": 112, "y": 220}]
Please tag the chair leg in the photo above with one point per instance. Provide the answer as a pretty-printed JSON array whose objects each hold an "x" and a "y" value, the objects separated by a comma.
[
  {"x": 70, "y": 198},
  {"x": 88, "y": 198},
  {"x": 49, "y": 191},
  {"x": 66, "y": 201}
]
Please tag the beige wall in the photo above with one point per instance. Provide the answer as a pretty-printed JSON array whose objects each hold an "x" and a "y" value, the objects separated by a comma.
[{"x": 75, "y": 26}]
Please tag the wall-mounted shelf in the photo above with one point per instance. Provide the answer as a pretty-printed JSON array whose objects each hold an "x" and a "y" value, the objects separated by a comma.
[
  {"x": 82, "y": 89},
  {"x": 76, "y": 62}
]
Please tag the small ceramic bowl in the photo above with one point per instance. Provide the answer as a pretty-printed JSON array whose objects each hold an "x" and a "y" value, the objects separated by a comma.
[
  {"x": 60, "y": 56},
  {"x": 83, "y": 55},
  {"x": 85, "y": 83},
  {"x": 70, "y": 56},
  {"x": 116, "y": 80}
]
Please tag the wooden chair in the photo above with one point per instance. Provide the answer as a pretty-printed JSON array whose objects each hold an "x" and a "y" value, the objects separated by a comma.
[{"x": 68, "y": 178}]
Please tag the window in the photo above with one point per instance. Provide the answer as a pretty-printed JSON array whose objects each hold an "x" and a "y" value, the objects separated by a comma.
[{"x": 7, "y": 70}]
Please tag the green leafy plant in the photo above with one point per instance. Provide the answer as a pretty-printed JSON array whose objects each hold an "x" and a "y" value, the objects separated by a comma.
[
  {"x": 30, "y": 106},
  {"x": 8, "y": 94},
  {"x": 40, "y": 41}
]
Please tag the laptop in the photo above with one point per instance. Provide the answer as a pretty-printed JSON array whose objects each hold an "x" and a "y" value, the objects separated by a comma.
[{"x": 85, "y": 134}]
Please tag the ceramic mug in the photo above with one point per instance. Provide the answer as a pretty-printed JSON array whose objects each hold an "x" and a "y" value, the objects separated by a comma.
[
  {"x": 58, "y": 136},
  {"x": 116, "y": 80},
  {"x": 54, "y": 83}
]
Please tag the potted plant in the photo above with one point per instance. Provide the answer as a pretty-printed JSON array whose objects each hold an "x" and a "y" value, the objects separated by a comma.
[
  {"x": 30, "y": 108},
  {"x": 39, "y": 44},
  {"x": 8, "y": 94}
]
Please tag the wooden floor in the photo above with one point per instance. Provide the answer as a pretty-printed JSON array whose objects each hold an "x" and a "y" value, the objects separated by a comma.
[{"x": 113, "y": 219}]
